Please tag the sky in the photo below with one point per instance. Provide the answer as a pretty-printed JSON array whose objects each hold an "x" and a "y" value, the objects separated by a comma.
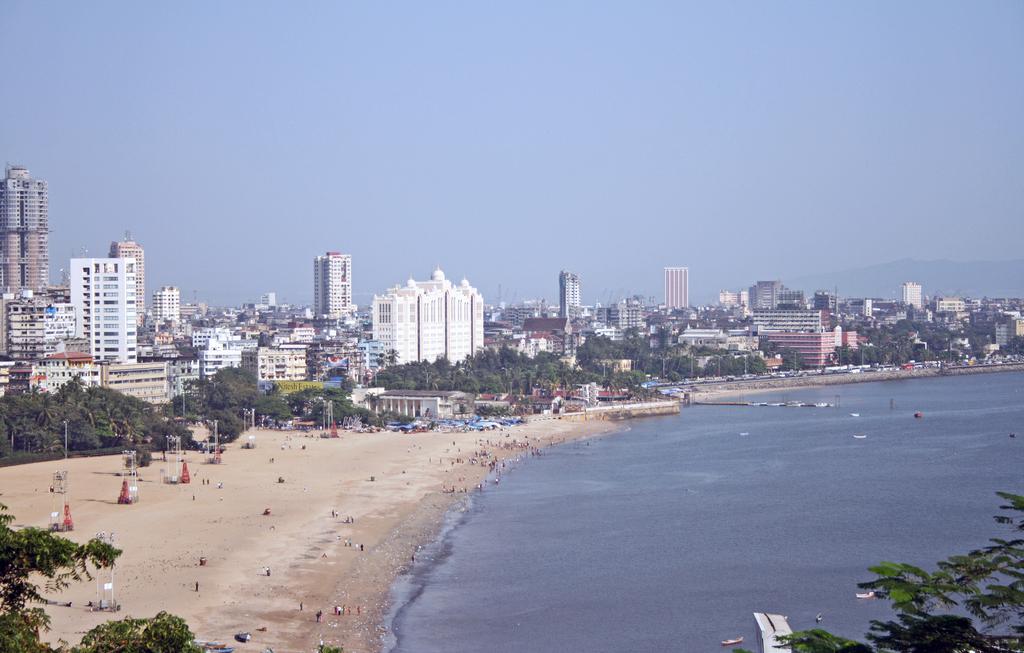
[{"x": 507, "y": 141}]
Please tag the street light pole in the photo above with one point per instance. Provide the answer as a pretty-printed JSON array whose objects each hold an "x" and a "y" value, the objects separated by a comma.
[{"x": 65, "y": 440}]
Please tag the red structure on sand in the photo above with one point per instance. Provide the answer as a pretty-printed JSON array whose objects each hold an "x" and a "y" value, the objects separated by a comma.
[
  {"x": 334, "y": 429},
  {"x": 67, "y": 524},
  {"x": 126, "y": 496},
  {"x": 185, "y": 478}
]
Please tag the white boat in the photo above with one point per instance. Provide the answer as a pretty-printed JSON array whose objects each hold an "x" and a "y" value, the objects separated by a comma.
[
  {"x": 854, "y": 414},
  {"x": 860, "y": 437},
  {"x": 865, "y": 595},
  {"x": 745, "y": 433}
]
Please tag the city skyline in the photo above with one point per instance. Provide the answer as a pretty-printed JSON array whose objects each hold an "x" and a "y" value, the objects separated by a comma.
[{"x": 399, "y": 128}]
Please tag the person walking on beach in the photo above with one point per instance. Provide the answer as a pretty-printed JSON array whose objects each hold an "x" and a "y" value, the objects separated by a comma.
[{"x": 319, "y": 615}]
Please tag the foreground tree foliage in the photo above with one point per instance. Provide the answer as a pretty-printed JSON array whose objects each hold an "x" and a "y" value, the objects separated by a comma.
[
  {"x": 32, "y": 555},
  {"x": 987, "y": 584},
  {"x": 164, "y": 633}
]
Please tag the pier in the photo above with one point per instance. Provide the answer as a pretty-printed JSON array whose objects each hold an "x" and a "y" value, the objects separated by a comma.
[
  {"x": 770, "y": 627},
  {"x": 777, "y": 404}
]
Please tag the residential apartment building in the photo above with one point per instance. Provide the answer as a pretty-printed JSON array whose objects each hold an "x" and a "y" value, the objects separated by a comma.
[
  {"x": 167, "y": 304},
  {"x": 569, "y": 301},
  {"x": 103, "y": 294},
  {"x": 128, "y": 248},
  {"x": 911, "y": 294},
  {"x": 332, "y": 285},
  {"x": 427, "y": 320},
  {"x": 35, "y": 328},
  {"x": 222, "y": 352},
  {"x": 677, "y": 287},
  {"x": 276, "y": 363},
  {"x": 627, "y": 314},
  {"x": 145, "y": 381},
  {"x": 24, "y": 232},
  {"x": 59, "y": 368},
  {"x": 765, "y": 294},
  {"x": 949, "y": 305}
]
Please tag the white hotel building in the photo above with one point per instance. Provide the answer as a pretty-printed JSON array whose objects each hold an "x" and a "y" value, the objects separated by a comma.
[
  {"x": 427, "y": 320},
  {"x": 103, "y": 294}
]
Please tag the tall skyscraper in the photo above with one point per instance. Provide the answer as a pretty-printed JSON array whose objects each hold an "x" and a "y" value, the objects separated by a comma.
[
  {"x": 427, "y": 320},
  {"x": 332, "y": 285},
  {"x": 677, "y": 288},
  {"x": 128, "y": 248},
  {"x": 912, "y": 295},
  {"x": 569, "y": 295},
  {"x": 103, "y": 294},
  {"x": 24, "y": 232}
]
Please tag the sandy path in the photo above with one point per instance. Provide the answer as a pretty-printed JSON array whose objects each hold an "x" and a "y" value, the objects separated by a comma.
[{"x": 164, "y": 535}]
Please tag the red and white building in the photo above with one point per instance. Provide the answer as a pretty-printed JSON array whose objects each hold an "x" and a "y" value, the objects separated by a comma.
[{"x": 677, "y": 287}]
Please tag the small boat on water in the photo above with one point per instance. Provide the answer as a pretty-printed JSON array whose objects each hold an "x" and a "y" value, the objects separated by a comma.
[
  {"x": 732, "y": 642},
  {"x": 918, "y": 415},
  {"x": 215, "y": 647},
  {"x": 860, "y": 436},
  {"x": 748, "y": 433},
  {"x": 854, "y": 414},
  {"x": 865, "y": 595}
]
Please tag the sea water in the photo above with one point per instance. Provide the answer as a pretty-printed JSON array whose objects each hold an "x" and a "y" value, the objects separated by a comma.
[{"x": 669, "y": 534}]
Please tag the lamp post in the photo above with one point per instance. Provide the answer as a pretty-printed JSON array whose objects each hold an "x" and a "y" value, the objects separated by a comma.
[{"x": 65, "y": 440}]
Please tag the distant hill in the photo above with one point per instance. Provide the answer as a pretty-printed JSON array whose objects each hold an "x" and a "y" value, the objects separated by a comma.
[{"x": 968, "y": 278}]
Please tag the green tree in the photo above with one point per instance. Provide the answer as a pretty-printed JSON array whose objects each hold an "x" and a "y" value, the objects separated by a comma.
[
  {"x": 31, "y": 555},
  {"x": 164, "y": 633},
  {"x": 987, "y": 583}
]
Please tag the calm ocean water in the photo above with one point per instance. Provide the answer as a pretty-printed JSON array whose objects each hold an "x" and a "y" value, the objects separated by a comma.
[{"x": 669, "y": 535}]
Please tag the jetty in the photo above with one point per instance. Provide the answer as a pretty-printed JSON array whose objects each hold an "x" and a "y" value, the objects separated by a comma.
[{"x": 769, "y": 628}]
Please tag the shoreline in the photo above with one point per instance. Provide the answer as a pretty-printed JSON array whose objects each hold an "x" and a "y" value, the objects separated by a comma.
[
  {"x": 739, "y": 388},
  {"x": 393, "y": 485},
  {"x": 427, "y": 524}
]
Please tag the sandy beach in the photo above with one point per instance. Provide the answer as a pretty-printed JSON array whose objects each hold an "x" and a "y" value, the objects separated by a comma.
[{"x": 316, "y": 560}]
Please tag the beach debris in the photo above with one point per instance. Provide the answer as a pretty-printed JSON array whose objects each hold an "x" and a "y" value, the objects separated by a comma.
[{"x": 266, "y": 511}]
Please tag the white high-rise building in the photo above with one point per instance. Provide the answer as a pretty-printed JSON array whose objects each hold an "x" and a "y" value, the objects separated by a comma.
[
  {"x": 128, "y": 248},
  {"x": 167, "y": 304},
  {"x": 569, "y": 295},
  {"x": 332, "y": 285},
  {"x": 427, "y": 320},
  {"x": 103, "y": 294},
  {"x": 912, "y": 295},
  {"x": 677, "y": 287}
]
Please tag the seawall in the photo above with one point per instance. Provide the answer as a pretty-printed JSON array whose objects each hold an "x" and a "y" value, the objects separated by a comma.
[
  {"x": 616, "y": 412},
  {"x": 740, "y": 387}
]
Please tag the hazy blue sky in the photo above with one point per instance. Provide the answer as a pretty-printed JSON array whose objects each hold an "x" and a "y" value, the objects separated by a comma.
[{"x": 747, "y": 140}]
